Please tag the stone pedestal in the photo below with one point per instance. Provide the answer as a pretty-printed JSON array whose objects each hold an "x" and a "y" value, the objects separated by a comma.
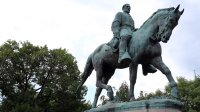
[{"x": 153, "y": 105}]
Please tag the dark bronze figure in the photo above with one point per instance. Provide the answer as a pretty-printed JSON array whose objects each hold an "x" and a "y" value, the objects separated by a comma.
[{"x": 144, "y": 48}]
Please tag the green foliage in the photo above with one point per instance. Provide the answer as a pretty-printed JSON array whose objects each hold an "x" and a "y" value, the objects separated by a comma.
[
  {"x": 145, "y": 96},
  {"x": 189, "y": 91},
  {"x": 36, "y": 79},
  {"x": 103, "y": 99},
  {"x": 123, "y": 93}
]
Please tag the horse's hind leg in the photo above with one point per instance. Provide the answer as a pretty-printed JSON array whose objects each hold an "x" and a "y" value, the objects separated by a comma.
[
  {"x": 104, "y": 86},
  {"x": 98, "y": 92},
  {"x": 102, "y": 80},
  {"x": 159, "y": 64}
]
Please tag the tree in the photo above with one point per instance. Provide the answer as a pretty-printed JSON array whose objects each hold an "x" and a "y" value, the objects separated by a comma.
[
  {"x": 146, "y": 96},
  {"x": 123, "y": 93},
  {"x": 35, "y": 79},
  {"x": 189, "y": 91},
  {"x": 103, "y": 99}
]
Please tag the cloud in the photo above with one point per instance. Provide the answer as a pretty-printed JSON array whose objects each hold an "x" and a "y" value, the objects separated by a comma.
[
  {"x": 81, "y": 26},
  {"x": 177, "y": 53}
]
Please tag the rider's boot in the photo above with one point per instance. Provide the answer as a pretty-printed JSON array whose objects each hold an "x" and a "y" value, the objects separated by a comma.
[{"x": 124, "y": 57}]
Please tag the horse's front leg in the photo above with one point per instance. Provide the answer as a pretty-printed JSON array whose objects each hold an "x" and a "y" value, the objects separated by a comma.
[
  {"x": 133, "y": 76},
  {"x": 159, "y": 64}
]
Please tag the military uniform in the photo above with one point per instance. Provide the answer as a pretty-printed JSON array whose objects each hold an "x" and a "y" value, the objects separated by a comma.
[
  {"x": 122, "y": 28},
  {"x": 123, "y": 24}
]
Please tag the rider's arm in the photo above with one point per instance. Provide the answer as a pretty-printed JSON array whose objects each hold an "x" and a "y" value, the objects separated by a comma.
[
  {"x": 116, "y": 25},
  {"x": 133, "y": 26}
]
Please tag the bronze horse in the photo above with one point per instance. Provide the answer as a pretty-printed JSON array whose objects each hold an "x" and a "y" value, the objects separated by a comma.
[{"x": 144, "y": 48}]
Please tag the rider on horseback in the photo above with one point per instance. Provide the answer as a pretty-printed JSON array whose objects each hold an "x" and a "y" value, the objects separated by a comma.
[{"x": 122, "y": 28}]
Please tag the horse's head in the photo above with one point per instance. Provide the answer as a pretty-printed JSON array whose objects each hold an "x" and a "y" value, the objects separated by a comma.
[{"x": 167, "y": 22}]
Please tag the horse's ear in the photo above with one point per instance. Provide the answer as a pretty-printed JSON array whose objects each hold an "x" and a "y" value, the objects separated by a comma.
[
  {"x": 175, "y": 10},
  {"x": 182, "y": 12}
]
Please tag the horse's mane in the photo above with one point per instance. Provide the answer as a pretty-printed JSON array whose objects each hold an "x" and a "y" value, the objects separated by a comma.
[{"x": 159, "y": 10}]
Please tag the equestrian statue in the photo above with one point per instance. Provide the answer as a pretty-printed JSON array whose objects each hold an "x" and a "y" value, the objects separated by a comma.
[{"x": 140, "y": 46}]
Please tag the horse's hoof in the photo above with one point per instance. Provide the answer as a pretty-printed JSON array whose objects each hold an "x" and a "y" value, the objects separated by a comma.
[
  {"x": 110, "y": 95},
  {"x": 132, "y": 99},
  {"x": 93, "y": 106},
  {"x": 174, "y": 92}
]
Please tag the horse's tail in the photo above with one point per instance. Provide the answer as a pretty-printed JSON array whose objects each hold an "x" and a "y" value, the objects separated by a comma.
[{"x": 87, "y": 71}]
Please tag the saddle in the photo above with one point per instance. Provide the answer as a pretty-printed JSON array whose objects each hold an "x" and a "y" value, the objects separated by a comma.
[{"x": 114, "y": 45}]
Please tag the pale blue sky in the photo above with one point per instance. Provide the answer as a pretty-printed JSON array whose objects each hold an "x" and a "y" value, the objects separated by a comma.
[{"x": 81, "y": 25}]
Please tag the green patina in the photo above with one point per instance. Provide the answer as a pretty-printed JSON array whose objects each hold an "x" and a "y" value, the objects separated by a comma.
[
  {"x": 143, "y": 48},
  {"x": 139, "y": 105}
]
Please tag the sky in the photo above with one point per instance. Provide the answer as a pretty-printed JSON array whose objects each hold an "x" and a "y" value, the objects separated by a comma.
[{"x": 80, "y": 26}]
